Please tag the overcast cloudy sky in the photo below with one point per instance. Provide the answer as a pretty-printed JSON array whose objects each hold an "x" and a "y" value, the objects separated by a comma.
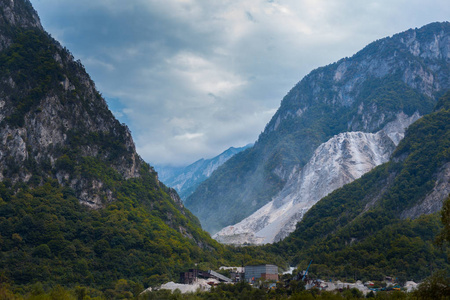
[{"x": 194, "y": 77}]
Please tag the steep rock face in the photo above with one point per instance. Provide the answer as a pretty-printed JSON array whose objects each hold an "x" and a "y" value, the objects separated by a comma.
[
  {"x": 404, "y": 73},
  {"x": 186, "y": 179},
  {"x": 16, "y": 13},
  {"x": 51, "y": 115},
  {"x": 342, "y": 159},
  {"x": 434, "y": 200}
]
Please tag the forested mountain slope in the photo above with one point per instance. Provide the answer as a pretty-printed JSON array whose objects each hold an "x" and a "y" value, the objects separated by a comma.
[
  {"x": 78, "y": 206},
  {"x": 402, "y": 74},
  {"x": 386, "y": 222}
]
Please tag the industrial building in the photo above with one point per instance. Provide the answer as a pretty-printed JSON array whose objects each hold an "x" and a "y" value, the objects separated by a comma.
[
  {"x": 261, "y": 272},
  {"x": 191, "y": 276}
]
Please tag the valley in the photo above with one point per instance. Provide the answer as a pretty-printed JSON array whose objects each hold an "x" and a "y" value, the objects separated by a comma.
[
  {"x": 350, "y": 180},
  {"x": 186, "y": 179}
]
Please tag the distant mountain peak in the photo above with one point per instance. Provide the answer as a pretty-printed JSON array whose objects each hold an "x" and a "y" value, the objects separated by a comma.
[
  {"x": 186, "y": 179},
  {"x": 19, "y": 14}
]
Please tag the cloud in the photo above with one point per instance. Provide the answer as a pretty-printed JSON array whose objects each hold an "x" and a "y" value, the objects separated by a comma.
[
  {"x": 194, "y": 77},
  {"x": 205, "y": 77}
]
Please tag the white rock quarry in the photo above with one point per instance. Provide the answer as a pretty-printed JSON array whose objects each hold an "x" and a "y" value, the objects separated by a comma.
[
  {"x": 201, "y": 285},
  {"x": 410, "y": 286},
  {"x": 344, "y": 285},
  {"x": 342, "y": 159}
]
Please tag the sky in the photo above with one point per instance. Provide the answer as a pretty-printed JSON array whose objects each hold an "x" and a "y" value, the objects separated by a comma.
[{"x": 191, "y": 78}]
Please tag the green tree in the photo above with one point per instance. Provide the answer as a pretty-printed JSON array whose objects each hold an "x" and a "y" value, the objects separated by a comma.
[
  {"x": 436, "y": 286},
  {"x": 42, "y": 251}
]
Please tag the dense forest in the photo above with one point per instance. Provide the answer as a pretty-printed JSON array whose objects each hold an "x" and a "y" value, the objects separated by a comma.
[{"x": 47, "y": 237}]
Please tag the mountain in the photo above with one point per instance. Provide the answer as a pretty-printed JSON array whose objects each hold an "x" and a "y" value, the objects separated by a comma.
[
  {"x": 52, "y": 115},
  {"x": 78, "y": 205},
  {"x": 342, "y": 159},
  {"x": 402, "y": 74},
  {"x": 186, "y": 179},
  {"x": 387, "y": 221}
]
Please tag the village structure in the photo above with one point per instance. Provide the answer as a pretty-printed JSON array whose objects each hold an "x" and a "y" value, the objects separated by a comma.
[
  {"x": 194, "y": 280},
  {"x": 261, "y": 272},
  {"x": 250, "y": 274}
]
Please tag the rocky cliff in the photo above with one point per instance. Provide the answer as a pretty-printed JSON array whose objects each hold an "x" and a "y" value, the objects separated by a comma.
[
  {"x": 402, "y": 74},
  {"x": 51, "y": 114}
]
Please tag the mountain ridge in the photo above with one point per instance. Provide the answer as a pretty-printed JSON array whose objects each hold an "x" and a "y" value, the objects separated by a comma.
[
  {"x": 41, "y": 82},
  {"x": 186, "y": 179},
  {"x": 404, "y": 73}
]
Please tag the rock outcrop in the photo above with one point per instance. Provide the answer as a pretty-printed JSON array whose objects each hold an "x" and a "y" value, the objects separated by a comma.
[
  {"x": 51, "y": 115},
  {"x": 434, "y": 200}
]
